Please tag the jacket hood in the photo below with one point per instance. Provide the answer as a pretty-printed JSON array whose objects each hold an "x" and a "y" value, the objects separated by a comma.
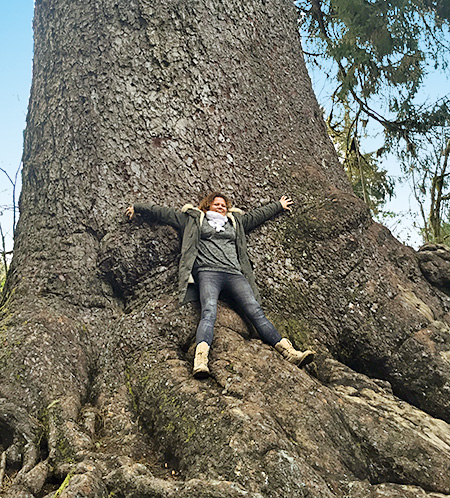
[{"x": 195, "y": 211}]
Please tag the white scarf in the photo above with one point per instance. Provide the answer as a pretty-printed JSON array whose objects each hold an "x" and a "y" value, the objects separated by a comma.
[{"x": 216, "y": 220}]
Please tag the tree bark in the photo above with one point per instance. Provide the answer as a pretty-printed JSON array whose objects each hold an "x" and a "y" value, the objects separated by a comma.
[{"x": 163, "y": 102}]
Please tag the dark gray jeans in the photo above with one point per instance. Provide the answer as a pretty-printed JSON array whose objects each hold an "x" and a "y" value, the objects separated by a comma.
[{"x": 210, "y": 284}]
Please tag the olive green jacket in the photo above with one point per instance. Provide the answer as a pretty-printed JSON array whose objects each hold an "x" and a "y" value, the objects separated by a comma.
[{"x": 188, "y": 222}]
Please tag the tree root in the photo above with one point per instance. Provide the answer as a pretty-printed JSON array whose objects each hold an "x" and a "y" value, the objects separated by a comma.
[
  {"x": 2, "y": 468},
  {"x": 20, "y": 440},
  {"x": 134, "y": 480}
]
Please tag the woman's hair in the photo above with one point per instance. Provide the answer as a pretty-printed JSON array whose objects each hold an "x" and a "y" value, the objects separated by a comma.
[{"x": 206, "y": 202}]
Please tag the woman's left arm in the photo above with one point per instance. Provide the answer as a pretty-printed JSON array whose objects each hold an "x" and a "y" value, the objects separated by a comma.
[{"x": 259, "y": 215}]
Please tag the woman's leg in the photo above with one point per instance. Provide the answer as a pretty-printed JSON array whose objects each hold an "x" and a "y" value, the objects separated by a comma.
[
  {"x": 209, "y": 285},
  {"x": 242, "y": 293}
]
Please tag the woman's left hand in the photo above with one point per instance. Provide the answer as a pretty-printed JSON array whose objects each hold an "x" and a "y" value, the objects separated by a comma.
[
  {"x": 130, "y": 212},
  {"x": 286, "y": 202}
]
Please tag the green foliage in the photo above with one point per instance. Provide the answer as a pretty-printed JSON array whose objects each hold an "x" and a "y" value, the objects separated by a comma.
[
  {"x": 444, "y": 235},
  {"x": 370, "y": 182},
  {"x": 427, "y": 165},
  {"x": 377, "y": 54},
  {"x": 381, "y": 48}
]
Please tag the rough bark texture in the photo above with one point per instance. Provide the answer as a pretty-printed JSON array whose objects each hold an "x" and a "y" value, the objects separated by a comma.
[
  {"x": 163, "y": 102},
  {"x": 434, "y": 261}
]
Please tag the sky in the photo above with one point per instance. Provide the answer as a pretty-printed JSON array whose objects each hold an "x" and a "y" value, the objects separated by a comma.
[{"x": 16, "y": 52}]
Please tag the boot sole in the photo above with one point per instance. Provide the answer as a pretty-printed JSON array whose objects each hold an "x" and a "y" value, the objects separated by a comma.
[
  {"x": 306, "y": 360},
  {"x": 201, "y": 374}
]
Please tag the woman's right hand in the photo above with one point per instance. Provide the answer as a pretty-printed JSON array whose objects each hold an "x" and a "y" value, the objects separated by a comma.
[{"x": 130, "y": 212}]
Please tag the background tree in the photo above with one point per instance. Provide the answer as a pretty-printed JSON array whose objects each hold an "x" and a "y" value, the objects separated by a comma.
[
  {"x": 163, "y": 101},
  {"x": 381, "y": 53},
  {"x": 428, "y": 171},
  {"x": 5, "y": 253},
  {"x": 370, "y": 182},
  {"x": 2, "y": 275}
]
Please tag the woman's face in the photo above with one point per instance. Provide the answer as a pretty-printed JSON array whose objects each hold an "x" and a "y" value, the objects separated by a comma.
[{"x": 219, "y": 206}]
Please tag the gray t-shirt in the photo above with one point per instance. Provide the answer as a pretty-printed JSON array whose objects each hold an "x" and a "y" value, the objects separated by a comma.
[{"x": 217, "y": 250}]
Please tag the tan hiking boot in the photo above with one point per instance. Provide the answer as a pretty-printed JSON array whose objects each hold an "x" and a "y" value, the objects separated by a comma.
[
  {"x": 299, "y": 358},
  {"x": 201, "y": 370}
]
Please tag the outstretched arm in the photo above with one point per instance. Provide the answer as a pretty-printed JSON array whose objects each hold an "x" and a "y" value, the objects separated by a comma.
[
  {"x": 161, "y": 214},
  {"x": 259, "y": 215}
]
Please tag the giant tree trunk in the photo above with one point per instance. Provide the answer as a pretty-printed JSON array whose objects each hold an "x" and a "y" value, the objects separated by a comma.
[{"x": 163, "y": 102}]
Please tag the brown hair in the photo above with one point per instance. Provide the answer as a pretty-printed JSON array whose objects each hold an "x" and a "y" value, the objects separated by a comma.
[{"x": 206, "y": 202}]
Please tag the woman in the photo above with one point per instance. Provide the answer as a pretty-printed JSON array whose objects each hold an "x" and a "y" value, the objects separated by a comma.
[{"x": 214, "y": 258}]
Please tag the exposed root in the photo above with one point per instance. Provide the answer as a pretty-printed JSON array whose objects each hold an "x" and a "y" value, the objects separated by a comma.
[
  {"x": 135, "y": 480},
  {"x": 86, "y": 480},
  {"x": 65, "y": 437},
  {"x": 2, "y": 468},
  {"x": 20, "y": 441},
  {"x": 81, "y": 450}
]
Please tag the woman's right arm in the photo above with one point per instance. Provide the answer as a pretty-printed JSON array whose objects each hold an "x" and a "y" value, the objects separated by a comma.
[{"x": 161, "y": 214}]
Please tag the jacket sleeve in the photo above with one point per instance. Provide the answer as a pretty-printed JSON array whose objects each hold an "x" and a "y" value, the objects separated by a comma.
[
  {"x": 259, "y": 215},
  {"x": 161, "y": 214}
]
